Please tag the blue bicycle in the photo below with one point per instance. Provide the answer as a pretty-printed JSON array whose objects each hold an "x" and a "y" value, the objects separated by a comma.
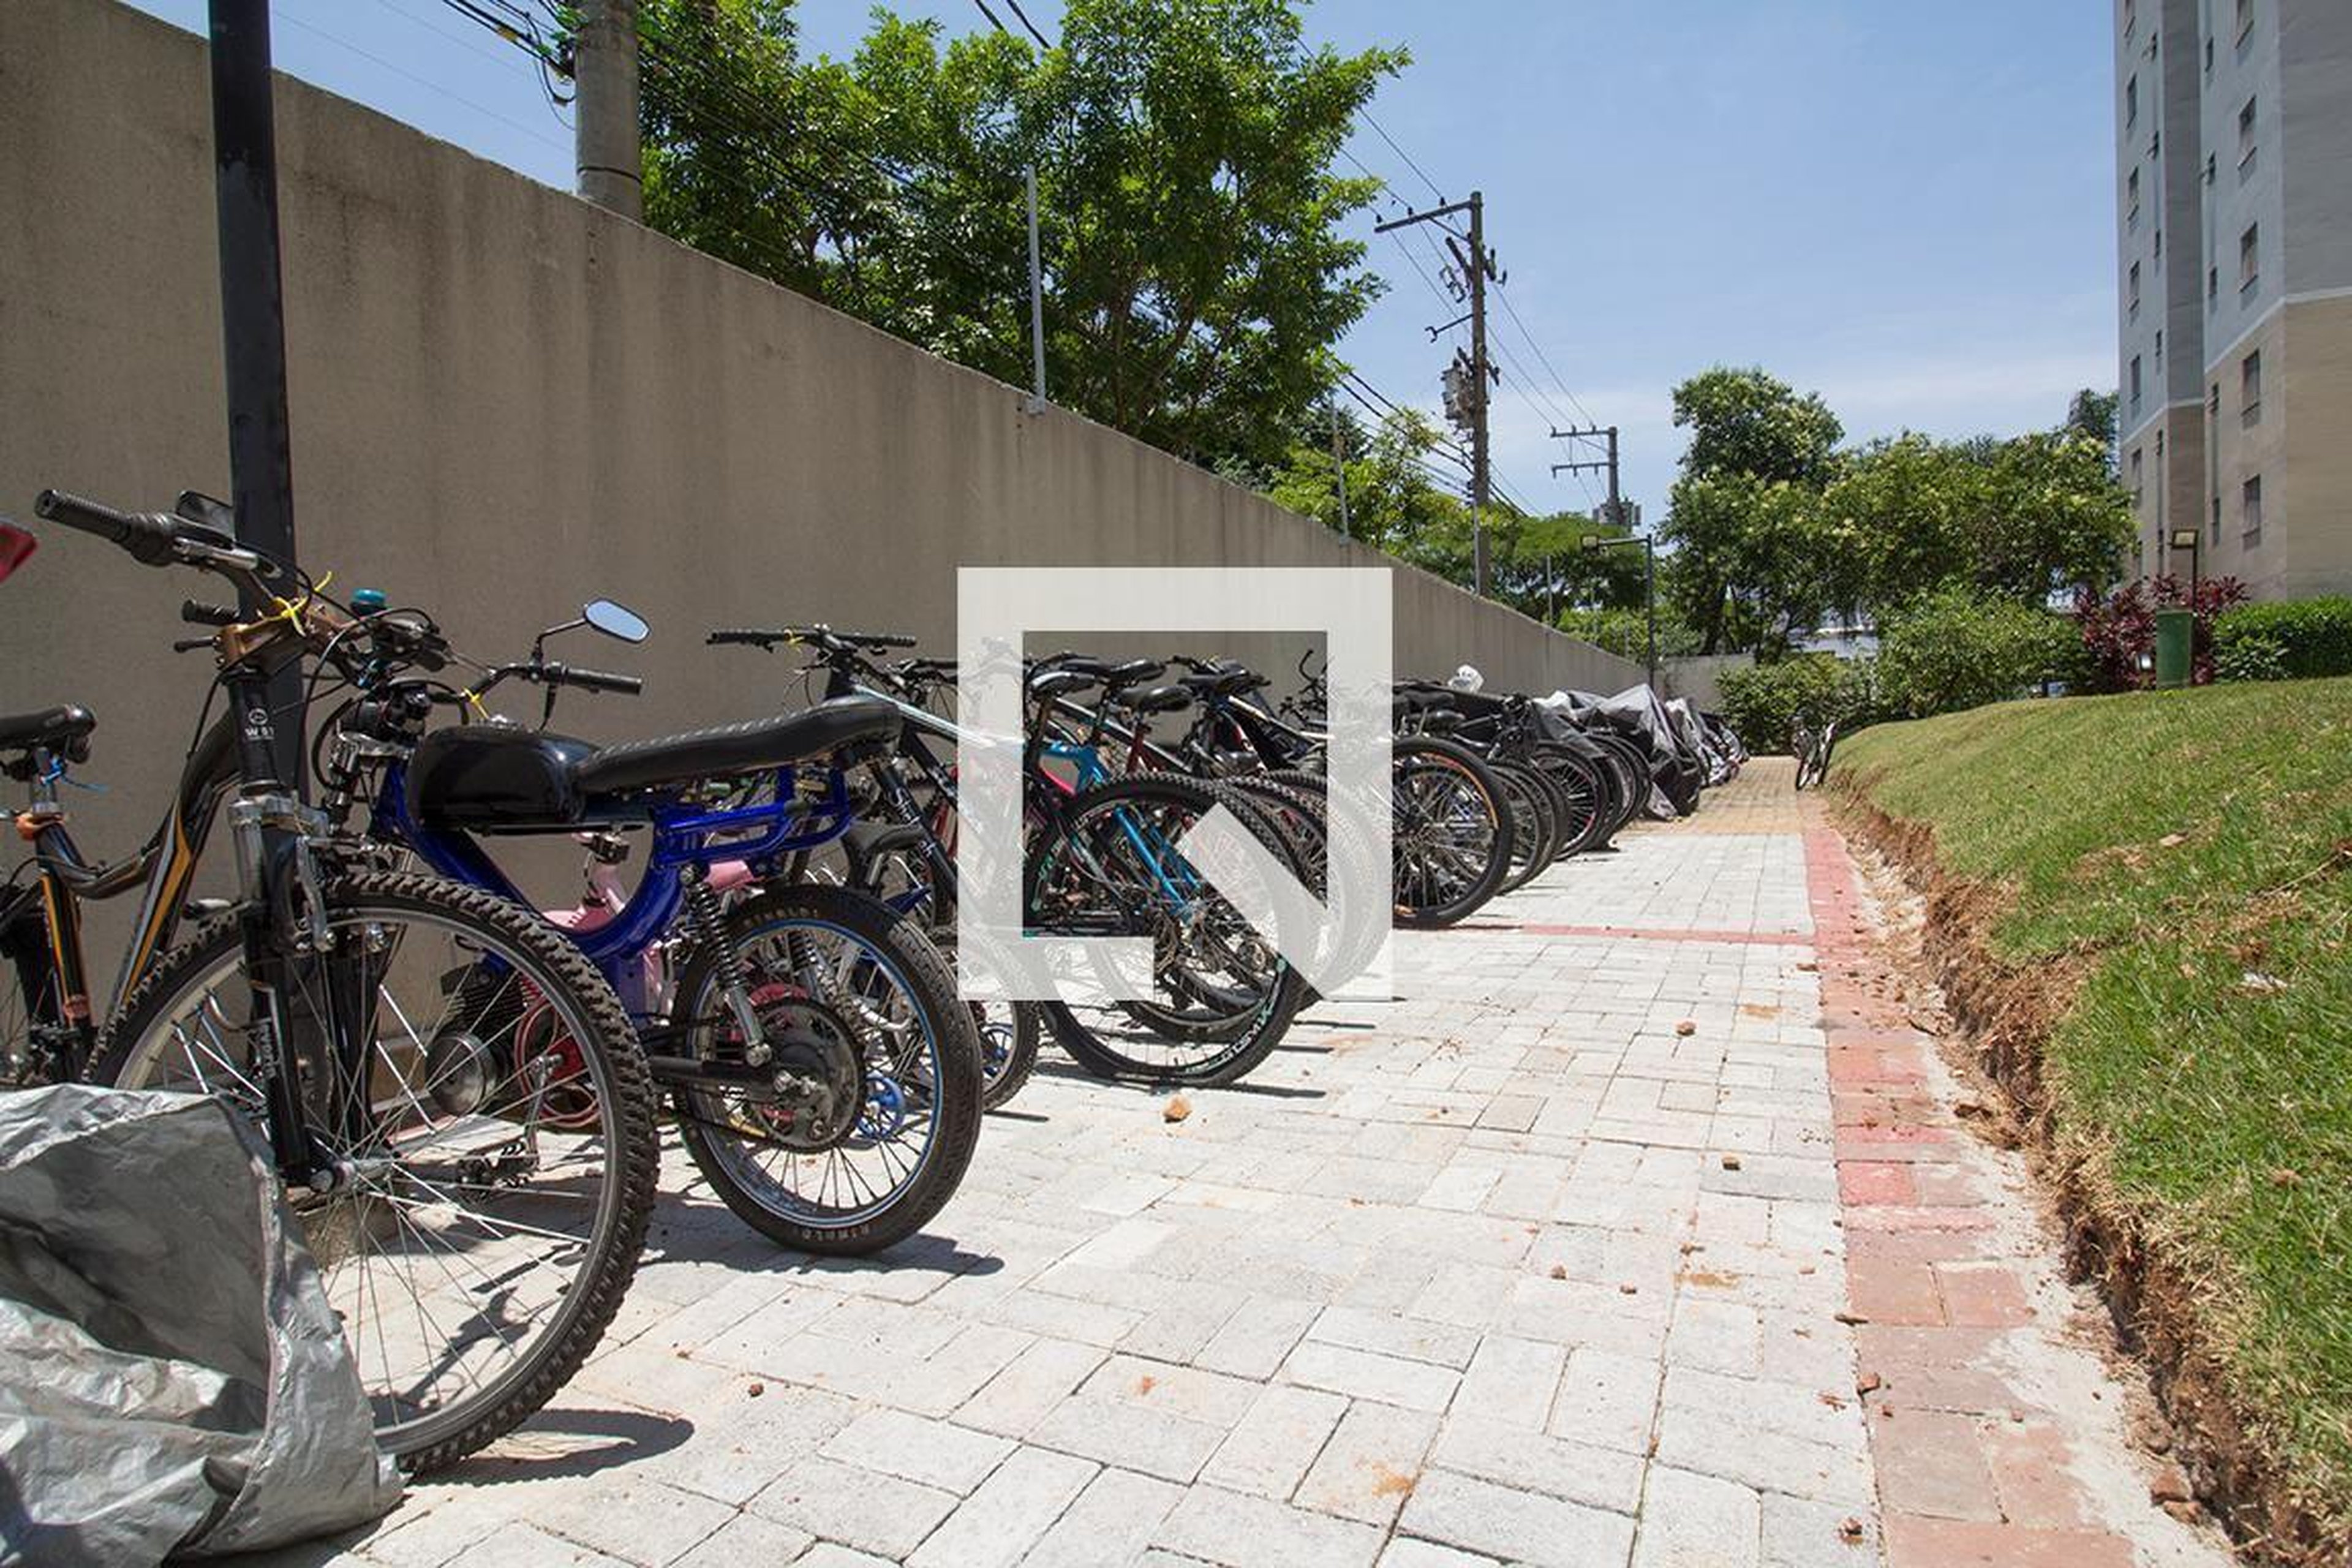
[{"x": 820, "y": 1071}]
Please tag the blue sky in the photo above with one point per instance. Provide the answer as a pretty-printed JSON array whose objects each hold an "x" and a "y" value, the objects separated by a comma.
[{"x": 1906, "y": 206}]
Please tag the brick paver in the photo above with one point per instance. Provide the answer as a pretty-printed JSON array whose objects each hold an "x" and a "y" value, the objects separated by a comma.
[{"x": 1565, "y": 1257}]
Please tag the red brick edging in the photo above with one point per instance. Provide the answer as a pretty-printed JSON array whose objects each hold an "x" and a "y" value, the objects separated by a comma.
[{"x": 1970, "y": 1471}]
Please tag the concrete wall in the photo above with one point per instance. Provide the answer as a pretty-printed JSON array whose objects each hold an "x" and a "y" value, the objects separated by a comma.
[
  {"x": 1698, "y": 677},
  {"x": 506, "y": 402}
]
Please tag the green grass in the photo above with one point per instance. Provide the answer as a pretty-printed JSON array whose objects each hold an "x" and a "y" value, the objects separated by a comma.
[{"x": 2194, "y": 850}]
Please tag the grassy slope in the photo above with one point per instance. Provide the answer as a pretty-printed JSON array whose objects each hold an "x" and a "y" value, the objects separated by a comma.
[{"x": 2205, "y": 1071}]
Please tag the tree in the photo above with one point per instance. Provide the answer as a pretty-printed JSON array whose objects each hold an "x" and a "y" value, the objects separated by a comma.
[
  {"x": 2093, "y": 414},
  {"x": 1745, "y": 521},
  {"x": 1392, "y": 503},
  {"x": 2022, "y": 519},
  {"x": 1196, "y": 274}
]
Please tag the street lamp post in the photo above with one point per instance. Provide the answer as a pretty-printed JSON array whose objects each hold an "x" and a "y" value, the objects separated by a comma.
[
  {"x": 2190, "y": 540},
  {"x": 1597, "y": 543}
]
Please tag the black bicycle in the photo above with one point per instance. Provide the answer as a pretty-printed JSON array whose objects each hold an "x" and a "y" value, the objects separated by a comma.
[
  {"x": 1812, "y": 745},
  {"x": 475, "y": 1231}
]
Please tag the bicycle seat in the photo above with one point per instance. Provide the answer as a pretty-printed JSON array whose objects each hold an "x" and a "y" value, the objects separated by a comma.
[
  {"x": 749, "y": 747},
  {"x": 1156, "y": 699},
  {"x": 64, "y": 729},
  {"x": 1046, "y": 685},
  {"x": 497, "y": 778},
  {"x": 1134, "y": 672},
  {"x": 1224, "y": 682}
]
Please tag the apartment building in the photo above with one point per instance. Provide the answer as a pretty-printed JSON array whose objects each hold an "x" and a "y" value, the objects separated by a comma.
[{"x": 2234, "y": 166}]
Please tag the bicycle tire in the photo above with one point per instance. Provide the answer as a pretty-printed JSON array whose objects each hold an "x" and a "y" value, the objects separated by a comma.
[
  {"x": 1241, "y": 1043},
  {"x": 1417, "y": 908},
  {"x": 955, "y": 1094},
  {"x": 611, "y": 1053}
]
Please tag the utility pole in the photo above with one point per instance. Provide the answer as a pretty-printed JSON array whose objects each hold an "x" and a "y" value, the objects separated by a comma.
[
  {"x": 1339, "y": 467},
  {"x": 1618, "y": 515},
  {"x": 1615, "y": 514},
  {"x": 1481, "y": 470},
  {"x": 606, "y": 146},
  {"x": 252, "y": 314},
  {"x": 1467, "y": 400}
]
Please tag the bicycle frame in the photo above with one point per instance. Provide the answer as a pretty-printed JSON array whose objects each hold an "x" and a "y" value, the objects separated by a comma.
[
  {"x": 162, "y": 869},
  {"x": 686, "y": 839}
]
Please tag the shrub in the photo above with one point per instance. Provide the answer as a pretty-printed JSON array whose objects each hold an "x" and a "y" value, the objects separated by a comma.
[
  {"x": 1764, "y": 703},
  {"x": 2254, "y": 656},
  {"x": 1952, "y": 649},
  {"x": 2297, "y": 637},
  {"x": 2119, "y": 630}
]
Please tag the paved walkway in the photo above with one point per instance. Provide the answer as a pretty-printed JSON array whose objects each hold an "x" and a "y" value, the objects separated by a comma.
[{"x": 1566, "y": 1259}]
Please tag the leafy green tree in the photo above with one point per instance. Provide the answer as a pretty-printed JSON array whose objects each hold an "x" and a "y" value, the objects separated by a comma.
[
  {"x": 2022, "y": 519},
  {"x": 1196, "y": 272},
  {"x": 2093, "y": 414},
  {"x": 1392, "y": 503},
  {"x": 1745, "y": 521}
]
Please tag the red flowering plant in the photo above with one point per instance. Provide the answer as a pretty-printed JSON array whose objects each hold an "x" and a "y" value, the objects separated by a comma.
[{"x": 2119, "y": 628}]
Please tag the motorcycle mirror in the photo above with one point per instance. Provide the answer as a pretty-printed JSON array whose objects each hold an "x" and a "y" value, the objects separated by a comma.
[
  {"x": 17, "y": 547},
  {"x": 615, "y": 620}
]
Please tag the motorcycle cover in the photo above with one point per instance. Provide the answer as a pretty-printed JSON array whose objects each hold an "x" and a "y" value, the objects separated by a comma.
[{"x": 171, "y": 1378}]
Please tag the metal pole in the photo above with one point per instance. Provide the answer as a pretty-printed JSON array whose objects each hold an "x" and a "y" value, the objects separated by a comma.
[
  {"x": 607, "y": 152},
  {"x": 252, "y": 314},
  {"x": 1480, "y": 479},
  {"x": 1616, "y": 499},
  {"x": 1339, "y": 467},
  {"x": 1649, "y": 579},
  {"x": 1036, "y": 296}
]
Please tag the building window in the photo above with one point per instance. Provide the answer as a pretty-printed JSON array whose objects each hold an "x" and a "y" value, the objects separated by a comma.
[
  {"x": 2159, "y": 247},
  {"x": 2212, "y": 287},
  {"x": 2159, "y": 357},
  {"x": 2245, "y": 18},
  {"x": 2139, "y": 488},
  {"x": 2250, "y": 389},
  {"x": 2131, "y": 16},
  {"x": 2135, "y": 383},
  {"x": 2249, "y": 258},
  {"x": 2131, "y": 292},
  {"x": 2131, "y": 103},
  {"x": 2131, "y": 201},
  {"x": 2250, "y": 509},
  {"x": 2214, "y": 536},
  {"x": 2247, "y": 146}
]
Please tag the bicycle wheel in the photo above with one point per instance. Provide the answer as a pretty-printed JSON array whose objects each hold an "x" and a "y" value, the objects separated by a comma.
[
  {"x": 37, "y": 1041},
  {"x": 1222, "y": 996},
  {"x": 1453, "y": 842},
  {"x": 1587, "y": 790},
  {"x": 850, "y": 994},
  {"x": 1535, "y": 826},
  {"x": 890, "y": 865},
  {"x": 491, "y": 1199}
]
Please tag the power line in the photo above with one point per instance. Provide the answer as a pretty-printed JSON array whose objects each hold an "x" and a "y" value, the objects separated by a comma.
[
  {"x": 534, "y": 134},
  {"x": 1366, "y": 116},
  {"x": 1042, "y": 42},
  {"x": 1541, "y": 358}
]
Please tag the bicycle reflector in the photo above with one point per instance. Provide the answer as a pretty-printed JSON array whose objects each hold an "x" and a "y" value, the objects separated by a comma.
[{"x": 17, "y": 547}]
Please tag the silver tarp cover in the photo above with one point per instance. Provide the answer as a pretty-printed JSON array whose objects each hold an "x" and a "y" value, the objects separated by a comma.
[{"x": 172, "y": 1379}]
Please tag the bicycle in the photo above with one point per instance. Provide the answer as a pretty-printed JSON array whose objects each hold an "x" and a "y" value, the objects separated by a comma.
[
  {"x": 474, "y": 1248},
  {"x": 822, "y": 1075},
  {"x": 1813, "y": 747}
]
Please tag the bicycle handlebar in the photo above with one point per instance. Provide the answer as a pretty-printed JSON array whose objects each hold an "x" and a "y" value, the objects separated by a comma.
[
  {"x": 590, "y": 679},
  {"x": 822, "y": 637},
  {"x": 149, "y": 537}
]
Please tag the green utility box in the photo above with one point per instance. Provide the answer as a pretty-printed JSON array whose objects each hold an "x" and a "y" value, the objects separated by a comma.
[{"x": 2176, "y": 632}]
